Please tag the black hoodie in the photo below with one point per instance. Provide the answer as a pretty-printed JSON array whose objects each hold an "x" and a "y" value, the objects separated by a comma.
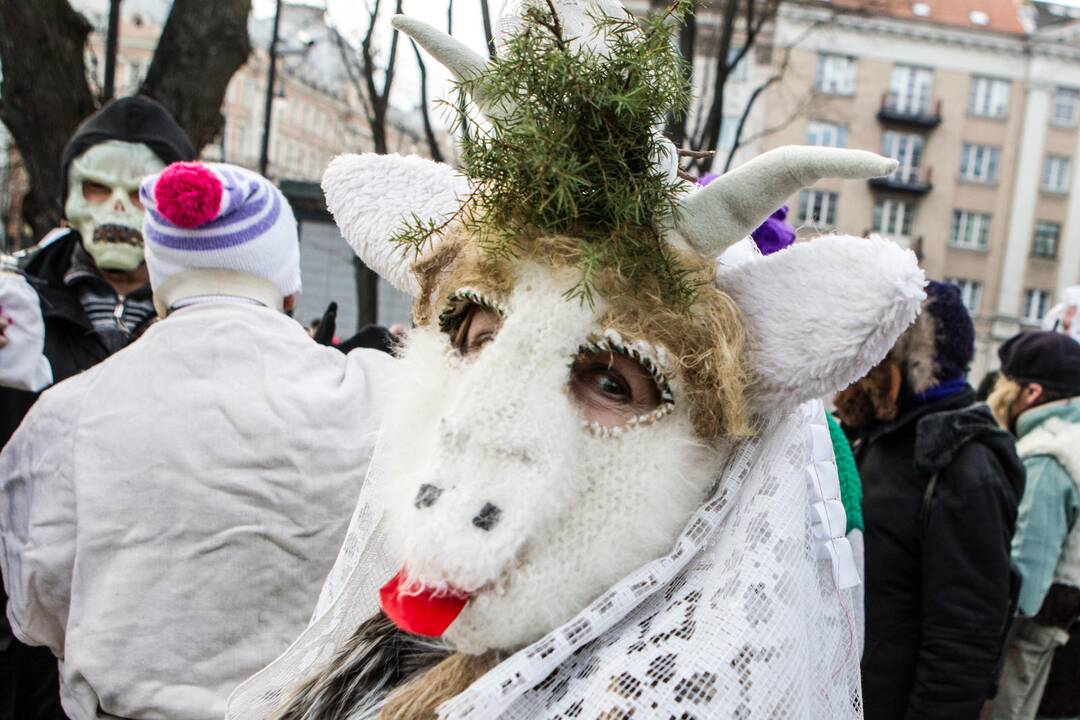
[
  {"x": 940, "y": 588},
  {"x": 131, "y": 119}
]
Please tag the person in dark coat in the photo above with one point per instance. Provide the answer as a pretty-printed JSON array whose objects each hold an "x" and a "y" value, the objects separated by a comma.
[
  {"x": 941, "y": 486},
  {"x": 89, "y": 275},
  {"x": 95, "y": 299}
]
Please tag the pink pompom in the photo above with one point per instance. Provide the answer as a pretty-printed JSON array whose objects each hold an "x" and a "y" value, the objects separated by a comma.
[{"x": 188, "y": 194}]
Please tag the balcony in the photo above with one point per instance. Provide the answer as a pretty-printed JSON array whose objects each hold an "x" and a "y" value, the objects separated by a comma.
[
  {"x": 916, "y": 181},
  {"x": 902, "y": 110}
]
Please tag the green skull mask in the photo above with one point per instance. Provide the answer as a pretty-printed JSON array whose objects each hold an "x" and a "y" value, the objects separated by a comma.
[{"x": 103, "y": 184}]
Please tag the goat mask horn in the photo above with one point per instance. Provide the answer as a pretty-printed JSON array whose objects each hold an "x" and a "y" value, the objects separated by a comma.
[
  {"x": 455, "y": 56},
  {"x": 729, "y": 208}
]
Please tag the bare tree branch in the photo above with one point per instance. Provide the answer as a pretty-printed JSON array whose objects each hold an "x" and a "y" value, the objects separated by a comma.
[
  {"x": 676, "y": 126},
  {"x": 379, "y": 99},
  {"x": 759, "y": 90},
  {"x": 429, "y": 132},
  {"x": 488, "y": 35},
  {"x": 757, "y": 14},
  {"x": 201, "y": 46}
]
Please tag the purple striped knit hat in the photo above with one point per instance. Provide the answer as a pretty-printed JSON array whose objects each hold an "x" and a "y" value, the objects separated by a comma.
[{"x": 213, "y": 216}]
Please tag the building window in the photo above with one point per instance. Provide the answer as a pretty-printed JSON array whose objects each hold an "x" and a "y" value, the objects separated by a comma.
[
  {"x": 907, "y": 149},
  {"x": 970, "y": 230},
  {"x": 826, "y": 134},
  {"x": 979, "y": 162},
  {"x": 835, "y": 74},
  {"x": 970, "y": 292},
  {"x": 1055, "y": 177},
  {"x": 728, "y": 125},
  {"x": 893, "y": 218},
  {"x": 1046, "y": 239},
  {"x": 738, "y": 73},
  {"x": 817, "y": 208},
  {"x": 1036, "y": 303},
  {"x": 1066, "y": 108},
  {"x": 909, "y": 90},
  {"x": 989, "y": 97}
]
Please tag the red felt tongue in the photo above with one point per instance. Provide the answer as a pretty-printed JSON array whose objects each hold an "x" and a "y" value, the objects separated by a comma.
[{"x": 421, "y": 613}]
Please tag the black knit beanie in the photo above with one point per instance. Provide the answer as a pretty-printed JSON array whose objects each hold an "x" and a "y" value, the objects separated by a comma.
[{"x": 954, "y": 333}]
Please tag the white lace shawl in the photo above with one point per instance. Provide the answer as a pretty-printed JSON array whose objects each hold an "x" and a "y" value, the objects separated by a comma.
[{"x": 749, "y": 616}]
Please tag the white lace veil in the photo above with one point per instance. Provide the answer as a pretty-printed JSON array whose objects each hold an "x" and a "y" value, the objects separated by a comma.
[{"x": 750, "y": 615}]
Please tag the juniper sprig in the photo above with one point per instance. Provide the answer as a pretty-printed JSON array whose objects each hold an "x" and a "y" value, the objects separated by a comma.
[{"x": 572, "y": 145}]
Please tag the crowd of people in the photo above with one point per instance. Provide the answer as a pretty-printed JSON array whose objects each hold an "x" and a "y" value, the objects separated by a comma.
[{"x": 526, "y": 505}]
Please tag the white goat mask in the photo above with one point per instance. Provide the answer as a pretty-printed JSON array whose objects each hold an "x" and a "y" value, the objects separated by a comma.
[
  {"x": 111, "y": 230},
  {"x": 499, "y": 438}
]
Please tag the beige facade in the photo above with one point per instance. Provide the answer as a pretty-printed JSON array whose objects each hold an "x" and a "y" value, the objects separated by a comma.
[
  {"x": 980, "y": 119},
  {"x": 317, "y": 112}
]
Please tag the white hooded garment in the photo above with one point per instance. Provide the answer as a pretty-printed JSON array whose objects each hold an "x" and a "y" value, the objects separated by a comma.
[{"x": 168, "y": 517}]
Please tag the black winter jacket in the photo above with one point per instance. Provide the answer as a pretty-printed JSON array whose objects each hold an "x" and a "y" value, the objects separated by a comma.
[
  {"x": 940, "y": 587},
  {"x": 71, "y": 345}
]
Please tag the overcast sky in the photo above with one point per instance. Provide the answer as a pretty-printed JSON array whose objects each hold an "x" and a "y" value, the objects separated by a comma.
[{"x": 350, "y": 17}]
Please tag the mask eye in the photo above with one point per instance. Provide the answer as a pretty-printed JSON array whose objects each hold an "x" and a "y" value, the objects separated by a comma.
[
  {"x": 471, "y": 320},
  {"x": 135, "y": 199},
  {"x": 477, "y": 329},
  {"x": 95, "y": 192},
  {"x": 612, "y": 385}
]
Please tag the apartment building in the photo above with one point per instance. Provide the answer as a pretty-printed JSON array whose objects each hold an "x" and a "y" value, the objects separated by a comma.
[{"x": 980, "y": 103}]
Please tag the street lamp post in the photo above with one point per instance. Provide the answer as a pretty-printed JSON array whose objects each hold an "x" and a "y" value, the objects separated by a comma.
[{"x": 268, "y": 107}]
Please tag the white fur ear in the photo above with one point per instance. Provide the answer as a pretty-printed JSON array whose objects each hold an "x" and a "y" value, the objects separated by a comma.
[
  {"x": 372, "y": 197},
  {"x": 820, "y": 314}
]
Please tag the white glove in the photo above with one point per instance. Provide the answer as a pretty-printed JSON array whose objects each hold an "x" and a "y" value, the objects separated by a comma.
[{"x": 23, "y": 364}]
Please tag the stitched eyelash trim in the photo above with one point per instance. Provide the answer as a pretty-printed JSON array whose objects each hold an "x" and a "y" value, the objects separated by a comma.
[
  {"x": 639, "y": 351},
  {"x": 450, "y": 318}
]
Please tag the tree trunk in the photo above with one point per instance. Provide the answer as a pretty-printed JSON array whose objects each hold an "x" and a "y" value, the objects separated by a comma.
[
  {"x": 201, "y": 46},
  {"x": 44, "y": 95},
  {"x": 367, "y": 295},
  {"x": 676, "y": 127}
]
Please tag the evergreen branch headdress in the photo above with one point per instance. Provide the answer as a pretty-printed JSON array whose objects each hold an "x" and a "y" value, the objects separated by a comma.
[
  {"x": 574, "y": 102},
  {"x": 580, "y": 89}
]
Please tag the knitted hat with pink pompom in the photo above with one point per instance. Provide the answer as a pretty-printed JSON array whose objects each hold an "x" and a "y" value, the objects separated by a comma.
[{"x": 211, "y": 216}]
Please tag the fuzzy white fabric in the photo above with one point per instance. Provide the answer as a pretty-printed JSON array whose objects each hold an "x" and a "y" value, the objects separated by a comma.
[
  {"x": 23, "y": 364},
  {"x": 373, "y": 196},
  {"x": 820, "y": 314},
  {"x": 741, "y": 618},
  {"x": 578, "y": 510},
  {"x": 1053, "y": 318},
  {"x": 168, "y": 517},
  {"x": 1061, "y": 441}
]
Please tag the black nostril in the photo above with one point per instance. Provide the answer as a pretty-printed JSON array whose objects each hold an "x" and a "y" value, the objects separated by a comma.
[
  {"x": 488, "y": 517},
  {"x": 426, "y": 496}
]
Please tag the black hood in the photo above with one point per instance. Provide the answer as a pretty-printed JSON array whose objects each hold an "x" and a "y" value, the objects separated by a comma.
[
  {"x": 131, "y": 119},
  {"x": 939, "y": 435}
]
